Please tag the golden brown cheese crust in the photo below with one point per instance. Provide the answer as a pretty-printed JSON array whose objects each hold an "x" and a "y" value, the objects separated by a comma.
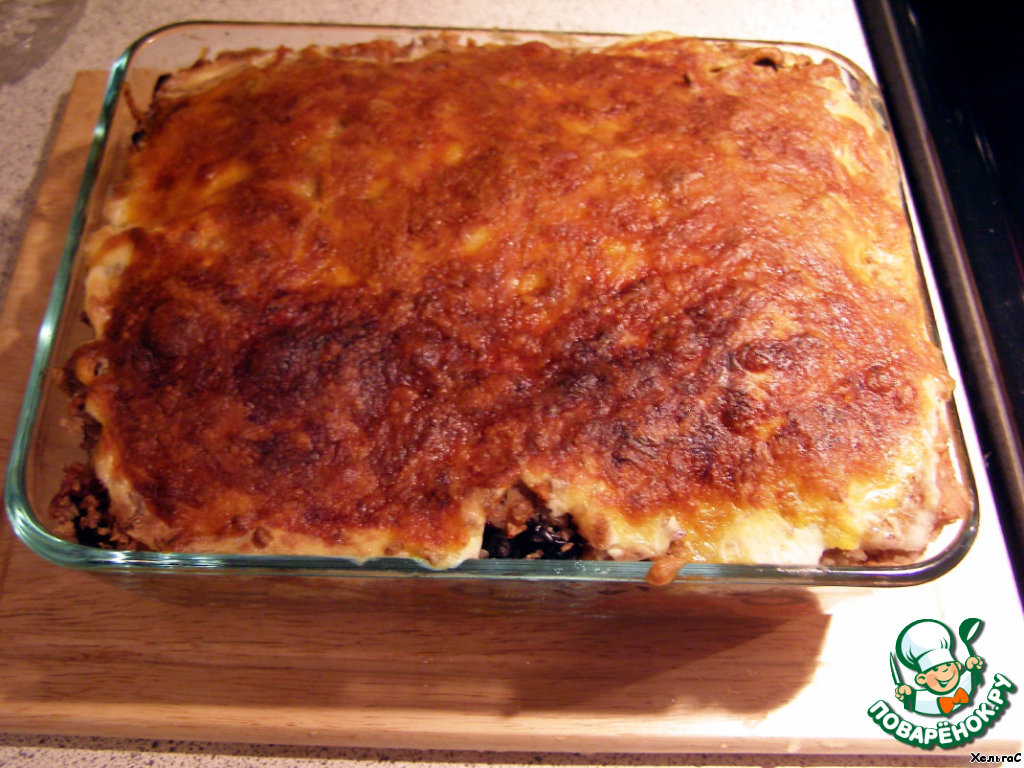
[{"x": 348, "y": 299}]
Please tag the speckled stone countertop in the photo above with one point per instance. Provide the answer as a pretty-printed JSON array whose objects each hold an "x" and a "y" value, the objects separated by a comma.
[
  {"x": 62, "y": 752},
  {"x": 43, "y": 43}
]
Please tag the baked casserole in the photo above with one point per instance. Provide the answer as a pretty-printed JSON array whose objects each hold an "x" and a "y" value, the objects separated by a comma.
[{"x": 653, "y": 301}]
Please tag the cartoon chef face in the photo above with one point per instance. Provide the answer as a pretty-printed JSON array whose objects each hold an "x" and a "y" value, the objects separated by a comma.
[
  {"x": 941, "y": 678},
  {"x": 926, "y": 645}
]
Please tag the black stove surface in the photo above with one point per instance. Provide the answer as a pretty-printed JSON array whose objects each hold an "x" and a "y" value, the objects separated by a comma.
[
  {"x": 973, "y": 98},
  {"x": 953, "y": 81}
]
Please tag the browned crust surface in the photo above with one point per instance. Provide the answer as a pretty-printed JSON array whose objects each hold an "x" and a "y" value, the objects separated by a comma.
[{"x": 365, "y": 294}]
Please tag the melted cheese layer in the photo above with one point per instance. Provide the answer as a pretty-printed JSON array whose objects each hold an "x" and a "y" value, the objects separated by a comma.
[{"x": 347, "y": 298}]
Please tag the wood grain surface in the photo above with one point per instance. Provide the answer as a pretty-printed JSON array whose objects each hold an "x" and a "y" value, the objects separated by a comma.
[{"x": 445, "y": 664}]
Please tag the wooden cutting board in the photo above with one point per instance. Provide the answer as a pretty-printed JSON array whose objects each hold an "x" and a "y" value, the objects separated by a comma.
[{"x": 447, "y": 665}]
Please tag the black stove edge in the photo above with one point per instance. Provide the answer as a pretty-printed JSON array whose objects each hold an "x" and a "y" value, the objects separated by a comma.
[{"x": 896, "y": 69}]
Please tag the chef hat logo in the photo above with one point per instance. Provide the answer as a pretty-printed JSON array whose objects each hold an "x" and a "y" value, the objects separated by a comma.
[{"x": 925, "y": 644}]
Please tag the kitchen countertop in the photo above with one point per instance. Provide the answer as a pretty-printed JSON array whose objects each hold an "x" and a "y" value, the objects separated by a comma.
[
  {"x": 35, "y": 78},
  {"x": 64, "y": 752}
]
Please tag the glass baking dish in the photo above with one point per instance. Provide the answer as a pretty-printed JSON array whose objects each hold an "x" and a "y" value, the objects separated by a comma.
[{"x": 43, "y": 446}]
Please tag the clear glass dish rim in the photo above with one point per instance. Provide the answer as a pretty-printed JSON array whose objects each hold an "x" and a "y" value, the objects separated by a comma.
[{"x": 33, "y": 533}]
